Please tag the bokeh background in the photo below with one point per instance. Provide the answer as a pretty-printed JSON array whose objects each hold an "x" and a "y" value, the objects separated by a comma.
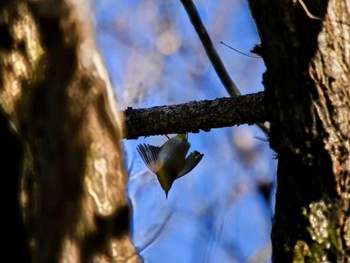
[{"x": 221, "y": 211}]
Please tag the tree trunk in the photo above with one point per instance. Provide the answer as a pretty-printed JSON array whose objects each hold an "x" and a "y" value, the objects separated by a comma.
[
  {"x": 57, "y": 101},
  {"x": 60, "y": 129},
  {"x": 305, "y": 46}
]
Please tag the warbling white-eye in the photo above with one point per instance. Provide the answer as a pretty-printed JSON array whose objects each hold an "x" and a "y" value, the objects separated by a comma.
[{"x": 169, "y": 162}]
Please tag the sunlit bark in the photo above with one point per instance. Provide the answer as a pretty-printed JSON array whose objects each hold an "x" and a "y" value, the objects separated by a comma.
[{"x": 58, "y": 101}]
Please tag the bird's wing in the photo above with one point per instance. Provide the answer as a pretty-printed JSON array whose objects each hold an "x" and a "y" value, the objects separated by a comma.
[
  {"x": 190, "y": 162},
  {"x": 149, "y": 155}
]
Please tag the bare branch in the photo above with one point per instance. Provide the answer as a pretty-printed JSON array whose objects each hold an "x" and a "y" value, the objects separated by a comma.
[
  {"x": 195, "y": 116},
  {"x": 213, "y": 56}
]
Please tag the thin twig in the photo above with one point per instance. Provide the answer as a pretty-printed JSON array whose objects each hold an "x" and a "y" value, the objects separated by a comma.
[
  {"x": 311, "y": 16},
  {"x": 238, "y": 51},
  {"x": 152, "y": 239},
  {"x": 213, "y": 56},
  {"x": 306, "y": 10}
]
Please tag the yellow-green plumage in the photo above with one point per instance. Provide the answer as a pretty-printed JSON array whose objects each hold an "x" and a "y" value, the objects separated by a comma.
[{"x": 169, "y": 162}]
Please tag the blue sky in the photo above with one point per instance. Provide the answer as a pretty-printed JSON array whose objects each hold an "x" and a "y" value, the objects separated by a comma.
[{"x": 215, "y": 213}]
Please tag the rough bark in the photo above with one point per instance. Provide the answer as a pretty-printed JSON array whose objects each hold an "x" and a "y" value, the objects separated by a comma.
[
  {"x": 58, "y": 112},
  {"x": 305, "y": 45},
  {"x": 60, "y": 129},
  {"x": 195, "y": 116},
  {"x": 58, "y": 102}
]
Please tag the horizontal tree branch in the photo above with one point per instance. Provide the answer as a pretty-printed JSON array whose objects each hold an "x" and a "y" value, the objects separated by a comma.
[{"x": 195, "y": 116}]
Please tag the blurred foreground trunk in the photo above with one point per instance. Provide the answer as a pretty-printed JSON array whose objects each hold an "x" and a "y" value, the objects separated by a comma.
[{"x": 60, "y": 154}]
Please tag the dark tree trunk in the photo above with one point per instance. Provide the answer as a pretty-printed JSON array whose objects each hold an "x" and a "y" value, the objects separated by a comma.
[
  {"x": 59, "y": 131},
  {"x": 306, "y": 48}
]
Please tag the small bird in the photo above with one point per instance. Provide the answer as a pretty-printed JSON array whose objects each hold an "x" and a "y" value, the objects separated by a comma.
[{"x": 169, "y": 161}]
